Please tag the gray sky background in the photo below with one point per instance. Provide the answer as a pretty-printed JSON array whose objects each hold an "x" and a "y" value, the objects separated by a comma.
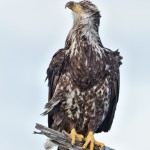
[{"x": 31, "y": 31}]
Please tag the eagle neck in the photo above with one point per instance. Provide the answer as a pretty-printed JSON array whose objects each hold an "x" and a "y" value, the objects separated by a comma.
[{"x": 86, "y": 28}]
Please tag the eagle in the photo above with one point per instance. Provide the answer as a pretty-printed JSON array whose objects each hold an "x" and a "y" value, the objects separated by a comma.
[{"x": 83, "y": 79}]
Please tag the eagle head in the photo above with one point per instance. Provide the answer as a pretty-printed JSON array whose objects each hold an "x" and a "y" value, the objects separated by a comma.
[
  {"x": 86, "y": 22},
  {"x": 84, "y": 9}
]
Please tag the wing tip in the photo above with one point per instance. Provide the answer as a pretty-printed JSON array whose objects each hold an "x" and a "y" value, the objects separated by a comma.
[{"x": 44, "y": 113}]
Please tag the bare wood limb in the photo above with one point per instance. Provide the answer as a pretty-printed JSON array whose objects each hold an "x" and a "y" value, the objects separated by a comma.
[{"x": 62, "y": 139}]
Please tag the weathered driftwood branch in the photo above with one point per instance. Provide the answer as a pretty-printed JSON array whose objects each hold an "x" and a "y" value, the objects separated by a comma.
[{"x": 62, "y": 139}]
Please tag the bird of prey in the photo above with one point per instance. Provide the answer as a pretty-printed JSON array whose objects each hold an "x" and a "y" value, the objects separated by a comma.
[{"x": 83, "y": 79}]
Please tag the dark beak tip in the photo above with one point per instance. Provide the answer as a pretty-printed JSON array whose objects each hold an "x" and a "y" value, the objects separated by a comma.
[{"x": 69, "y": 4}]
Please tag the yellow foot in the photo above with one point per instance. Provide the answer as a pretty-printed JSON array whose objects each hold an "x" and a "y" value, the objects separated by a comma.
[
  {"x": 74, "y": 135},
  {"x": 90, "y": 140}
]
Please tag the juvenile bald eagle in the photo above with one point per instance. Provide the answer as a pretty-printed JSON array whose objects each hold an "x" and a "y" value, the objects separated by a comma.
[{"x": 83, "y": 79}]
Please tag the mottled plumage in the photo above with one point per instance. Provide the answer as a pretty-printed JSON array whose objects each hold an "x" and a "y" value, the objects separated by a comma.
[{"x": 83, "y": 78}]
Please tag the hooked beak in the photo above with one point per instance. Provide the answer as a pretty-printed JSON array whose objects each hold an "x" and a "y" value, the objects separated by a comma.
[{"x": 74, "y": 6}]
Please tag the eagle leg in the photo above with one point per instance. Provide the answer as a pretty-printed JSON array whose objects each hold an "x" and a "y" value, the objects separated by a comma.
[
  {"x": 90, "y": 140},
  {"x": 74, "y": 135}
]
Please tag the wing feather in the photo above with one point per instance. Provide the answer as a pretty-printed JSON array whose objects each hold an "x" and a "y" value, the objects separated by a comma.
[
  {"x": 114, "y": 72},
  {"x": 107, "y": 123},
  {"x": 53, "y": 74}
]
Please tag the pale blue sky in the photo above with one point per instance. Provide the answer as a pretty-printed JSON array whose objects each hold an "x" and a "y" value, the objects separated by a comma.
[{"x": 31, "y": 31}]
